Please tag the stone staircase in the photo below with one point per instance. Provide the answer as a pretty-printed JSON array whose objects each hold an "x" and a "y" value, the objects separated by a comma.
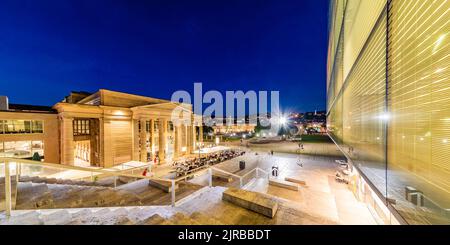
[
  {"x": 201, "y": 207},
  {"x": 31, "y": 195},
  {"x": 46, "y": 196},
  {"x": 210, "y": 203},
  {"x": 107, "y": 182},
  {"x": 161, "y": 215}
]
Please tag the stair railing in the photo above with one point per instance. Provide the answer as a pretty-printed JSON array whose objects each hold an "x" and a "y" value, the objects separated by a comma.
[
  {"x": 240, "y": 177},
  {"x": 93, "y": 174},
  {"x": 89, "y": 173}
]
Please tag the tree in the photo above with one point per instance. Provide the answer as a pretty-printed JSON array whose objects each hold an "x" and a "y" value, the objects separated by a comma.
[
  {"x": 259, "y": 127},
  {"x": 284, "y": 130},
  {"x": 36, "y": 157}
]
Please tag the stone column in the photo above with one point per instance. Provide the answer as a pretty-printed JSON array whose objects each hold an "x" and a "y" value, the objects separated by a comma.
[
  {"x": 94, "y": 139},
  {"x": 152, "y": 138},
  {"x": 189, "y": 139},
  {"x": 177, "y": 141},
  {"x": 184, "y": 138},
  {"x": 108, "y": 149},
  {"x": 194, "y": 139},
  {"x": 136, "y": 148},
  {"x": 162, "y": 139},
  {"x": 200, "y": 136},
  {"x": 143, "y": 141},
  {"x": 67, "y": 144}
]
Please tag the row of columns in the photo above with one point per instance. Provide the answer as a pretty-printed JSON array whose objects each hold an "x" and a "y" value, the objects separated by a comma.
[{"x": 184, "y": 136}]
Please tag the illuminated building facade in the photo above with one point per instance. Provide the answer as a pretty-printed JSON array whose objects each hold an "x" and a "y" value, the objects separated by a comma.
[
  {"x": 388, "y": 97},
  {"x": 103, "y": 129}
]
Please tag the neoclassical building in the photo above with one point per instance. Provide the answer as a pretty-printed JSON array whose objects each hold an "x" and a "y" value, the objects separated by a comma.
[{"x": 108, "y": 128}]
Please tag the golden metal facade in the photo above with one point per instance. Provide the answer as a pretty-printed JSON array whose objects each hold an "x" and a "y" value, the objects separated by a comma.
[{"x": 389, "y": 100}]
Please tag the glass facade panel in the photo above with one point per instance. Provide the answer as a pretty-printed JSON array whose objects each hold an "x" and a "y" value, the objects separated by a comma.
[
  {"x": 364, "y": 101},
  {"x": 38, "y": 127},
  {"x": 419, "y": 102},
  {"x": 17, "y": 127},
  {"x": 391, "y": 115},
  {"x": 21, "y": 149},
  {"x": 21, "y": 126}
]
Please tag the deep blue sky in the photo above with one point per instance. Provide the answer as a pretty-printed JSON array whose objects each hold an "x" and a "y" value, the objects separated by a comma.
[{"x": 49, "y": 48}]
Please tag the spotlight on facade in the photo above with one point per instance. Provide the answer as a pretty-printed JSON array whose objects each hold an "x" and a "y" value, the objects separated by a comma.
[
  {"x": 118, "y": 113},
  {"x": 385, "y": 116}
]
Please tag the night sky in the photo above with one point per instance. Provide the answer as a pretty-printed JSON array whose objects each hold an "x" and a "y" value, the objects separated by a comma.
[{"x": 153, "y": 48}]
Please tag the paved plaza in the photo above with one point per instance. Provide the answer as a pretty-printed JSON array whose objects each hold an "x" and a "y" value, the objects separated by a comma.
[{"x": 321, "y": 197}]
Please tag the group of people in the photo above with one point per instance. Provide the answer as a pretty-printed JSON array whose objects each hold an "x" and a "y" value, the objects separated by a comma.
[
  {"x": 148, "y": 170},
  {"x": 185, "y": 167}
]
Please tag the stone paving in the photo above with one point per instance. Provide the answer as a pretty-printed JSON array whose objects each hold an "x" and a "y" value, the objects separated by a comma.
[
  {"x": 321, "y": 201},
  {"x": 210, "y": 204},
  {"x": 321, "y": 197}
]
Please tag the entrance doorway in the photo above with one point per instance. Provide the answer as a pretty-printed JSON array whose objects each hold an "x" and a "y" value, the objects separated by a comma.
[
  {"x": 86, "y": 135},
  {"x": 82, "y": 153}
]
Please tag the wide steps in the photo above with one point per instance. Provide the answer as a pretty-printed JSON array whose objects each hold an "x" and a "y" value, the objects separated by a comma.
[
  {"x": 204, "y": 220},
  {"x": 37, "y": 179},
  {"x": 283, "y": 184},
  {"x": 182, "y": 219},
  {"x": 162, "y": 185},
  {"x": 155, "y": 219},
  {"x": 253, "y": 201},
  {"x": 43, "y": 196},
  {"x": 222, "y": 177},
  {"x": 295, "y": 180}
]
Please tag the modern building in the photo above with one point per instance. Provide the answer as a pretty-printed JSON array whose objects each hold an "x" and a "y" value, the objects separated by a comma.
[
  {"x": 222, "y": 126},
  {"x": 388, "y": 107},
  {"x": 102, "y": 129},
  {"x": 26, "y": 130}
]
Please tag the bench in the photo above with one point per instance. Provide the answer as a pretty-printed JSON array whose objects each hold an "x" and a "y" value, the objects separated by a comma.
[
  {"x": 162, "y": 185},
  {"x": 222, "y": 176},
  {"x": 294, "y": 180},
  {"x": 283, "y": 184},
  {"x": 253, "y": 201}
]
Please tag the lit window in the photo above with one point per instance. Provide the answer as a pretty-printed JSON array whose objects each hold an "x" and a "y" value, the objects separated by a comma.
[{"x": 81, "y": 127}]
